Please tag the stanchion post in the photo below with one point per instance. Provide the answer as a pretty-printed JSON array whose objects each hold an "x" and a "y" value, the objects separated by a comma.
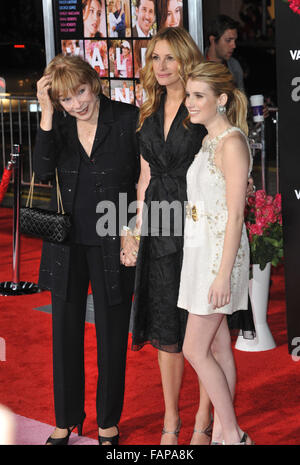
[
  {"x": 17, "y": 287},
  {"x": 277, "y": 152},
  {"x": 263, "y": 156},
  {"x": 16, "y": 159}
]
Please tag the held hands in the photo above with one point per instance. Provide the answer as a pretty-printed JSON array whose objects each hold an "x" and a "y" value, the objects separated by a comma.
[
  {"x": 250, "y": 187},
  {"x": 219, "y": 292},
  {"x": 129, "y": 249}
]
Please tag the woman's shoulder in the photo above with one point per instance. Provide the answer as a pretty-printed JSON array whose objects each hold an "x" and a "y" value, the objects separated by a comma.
[
  {"x": 234, "y": 139},
  {"x": 122, "y": 108},
  {"x": 234, "y": 146}
]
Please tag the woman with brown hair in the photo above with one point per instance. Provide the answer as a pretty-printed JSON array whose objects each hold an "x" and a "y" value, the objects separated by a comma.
[
  {"x": 169, "y": 13},
  {"x": 90, "y": 141},
  {"x": 215, "y": 270},
  {"x": 92, "y": 11}
]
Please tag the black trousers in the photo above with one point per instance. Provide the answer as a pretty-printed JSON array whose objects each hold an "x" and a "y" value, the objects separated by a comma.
[{"x": 112, "y": 325}]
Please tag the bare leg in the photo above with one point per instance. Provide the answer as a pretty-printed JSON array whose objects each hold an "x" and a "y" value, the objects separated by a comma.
[
  {"x": 202, "y": 419},
  {"x": 200, "y": 333},
  {"x": 222, "y": 352},
  {"x": 171, "y": 368}
]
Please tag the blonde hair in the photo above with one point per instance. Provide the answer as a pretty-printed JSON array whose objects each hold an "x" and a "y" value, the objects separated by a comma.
[
  {"x": 186, "y": 53},
  {"x": 221, "y": 81},
  {"x": 67, "y": 74}
]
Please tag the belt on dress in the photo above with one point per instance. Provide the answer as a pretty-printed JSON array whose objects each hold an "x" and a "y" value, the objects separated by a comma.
[
  {"x": 167, "y": 174},
  {"x": 194, "y": 211}
]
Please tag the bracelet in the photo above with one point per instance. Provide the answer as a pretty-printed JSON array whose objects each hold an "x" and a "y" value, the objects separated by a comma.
[{"x": 125, "y": 228}]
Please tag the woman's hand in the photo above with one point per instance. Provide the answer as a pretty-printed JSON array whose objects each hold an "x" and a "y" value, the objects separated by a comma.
[
  {"x": 43, "y": 86},
  {"x": 219, "y": 292},
  {"x": 250, "y": 187},
  {"x": 129, "y": 250}
]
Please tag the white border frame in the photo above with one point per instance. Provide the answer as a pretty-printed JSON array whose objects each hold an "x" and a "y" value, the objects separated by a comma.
[
  {"x": 48, "y": 30},
  {"x": 196, "y": 22}
]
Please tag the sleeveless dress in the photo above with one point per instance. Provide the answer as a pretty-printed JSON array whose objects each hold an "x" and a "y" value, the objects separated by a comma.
[
  {"x": 155, "y": 317},
  {"x": 204, "y": 237}
]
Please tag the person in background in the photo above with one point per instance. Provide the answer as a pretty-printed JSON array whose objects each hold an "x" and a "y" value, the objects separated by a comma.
[
  {"x": 90, "y": 142},
  {"x": 222, "y": 35},
  {"x": 91, "y": 10},
  {"x": 169, "y": 13},
  {"x": 145, "y": 17},
  {"x": 215, "y": 271},
  {"x": 120, "y": 26},
  {"x": 126, "y": 67}
]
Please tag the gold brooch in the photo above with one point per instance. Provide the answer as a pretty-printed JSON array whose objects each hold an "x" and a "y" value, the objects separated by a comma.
[{"x": 191, "y": 212}]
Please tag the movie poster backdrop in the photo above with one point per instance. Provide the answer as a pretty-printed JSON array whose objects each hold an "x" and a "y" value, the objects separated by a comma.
[
  {"x": 288, "y": 85},
  {"x": 112, "y": 35}
]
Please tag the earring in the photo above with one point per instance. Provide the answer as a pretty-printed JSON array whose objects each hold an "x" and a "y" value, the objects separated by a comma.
[
  {"x": 221, "y": 109},
  {"x": 64, "y": 113}
]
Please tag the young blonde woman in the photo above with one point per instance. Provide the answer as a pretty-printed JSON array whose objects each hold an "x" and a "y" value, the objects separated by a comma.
[{"x": 215, "y": 270}]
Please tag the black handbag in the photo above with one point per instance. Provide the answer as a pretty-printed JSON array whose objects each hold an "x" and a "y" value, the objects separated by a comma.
[{"x": 45, "y": 224}]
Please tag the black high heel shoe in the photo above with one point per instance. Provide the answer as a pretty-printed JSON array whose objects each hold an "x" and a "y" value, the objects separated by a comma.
[
  {"x": 113, "y": 440},
  {"x": 65, "y": 440}
]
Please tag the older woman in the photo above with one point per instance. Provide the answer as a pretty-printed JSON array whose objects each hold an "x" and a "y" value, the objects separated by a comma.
[{"x": 91, "y": 142}]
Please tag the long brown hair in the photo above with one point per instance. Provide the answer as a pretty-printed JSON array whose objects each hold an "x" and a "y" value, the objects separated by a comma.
[
  {"x": 221, "y": 81},
  {"x": 186, "y": 53}
]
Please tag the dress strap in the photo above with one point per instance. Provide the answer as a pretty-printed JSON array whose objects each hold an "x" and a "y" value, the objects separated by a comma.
[
  {"x": 227, "y": 131},
  {"x": 212, "y": 143}
]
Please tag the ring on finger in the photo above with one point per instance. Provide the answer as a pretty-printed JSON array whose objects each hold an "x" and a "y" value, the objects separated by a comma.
[{"x": 134, "y": 253}]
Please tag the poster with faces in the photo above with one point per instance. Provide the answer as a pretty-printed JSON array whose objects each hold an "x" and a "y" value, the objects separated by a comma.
[{"x": 113, "y": 35}]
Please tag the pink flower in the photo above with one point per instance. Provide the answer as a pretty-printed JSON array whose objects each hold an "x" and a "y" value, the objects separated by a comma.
[
  {"x": 251, "y": 200},
  {"x": 295, "y": 6},
  {"x": 260, "y": 194},
  {"x": 260, "y": 198},
  {"x": 269, "y": 214},
  {"x": 256, "y": 229},
  {"x": 277, "y": 202}
]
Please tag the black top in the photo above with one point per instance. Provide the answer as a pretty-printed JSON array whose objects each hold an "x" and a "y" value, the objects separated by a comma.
[
  {"x": 116, "y": 166},
  {"x": 156, "y": 318},
  {"x": 84, "y": 216},
  {"x": 169, "y": 161}
]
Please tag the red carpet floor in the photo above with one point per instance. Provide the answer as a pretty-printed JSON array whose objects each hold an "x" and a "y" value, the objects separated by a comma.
[{"x": 268, "y": 387}]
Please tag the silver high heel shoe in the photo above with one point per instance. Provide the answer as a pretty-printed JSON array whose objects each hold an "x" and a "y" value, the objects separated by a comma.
[{"x": 176, "y": 432}]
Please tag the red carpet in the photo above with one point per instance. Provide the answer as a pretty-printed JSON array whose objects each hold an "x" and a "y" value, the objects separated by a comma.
[{"x": 267, "y": 400}]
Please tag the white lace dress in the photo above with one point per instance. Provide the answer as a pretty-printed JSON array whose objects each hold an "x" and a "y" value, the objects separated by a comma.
[{"x": 204, "y": 237}]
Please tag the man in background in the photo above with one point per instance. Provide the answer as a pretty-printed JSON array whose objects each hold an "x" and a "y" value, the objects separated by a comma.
[
  {"x": 222, "y": 36},
  {"x": 145, "y": 17}
]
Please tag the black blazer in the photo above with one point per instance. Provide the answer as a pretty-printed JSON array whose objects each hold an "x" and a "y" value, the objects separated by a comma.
[{"x": 117, "y": 169}]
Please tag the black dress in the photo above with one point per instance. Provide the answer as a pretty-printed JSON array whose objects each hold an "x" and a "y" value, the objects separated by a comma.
[{"x": 156, "y": 319}]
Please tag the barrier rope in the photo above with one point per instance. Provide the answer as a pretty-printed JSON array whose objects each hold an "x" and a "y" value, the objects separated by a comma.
[{"x": 5, "y": 180}]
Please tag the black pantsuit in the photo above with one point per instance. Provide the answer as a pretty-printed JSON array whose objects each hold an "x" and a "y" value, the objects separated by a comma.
[
  {"x": 66, "y": 269},
  {"x": 68, "y": 340}
]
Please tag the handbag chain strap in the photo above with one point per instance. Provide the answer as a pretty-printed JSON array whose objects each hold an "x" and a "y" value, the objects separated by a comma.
[{"x": 60, "y": 208}]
